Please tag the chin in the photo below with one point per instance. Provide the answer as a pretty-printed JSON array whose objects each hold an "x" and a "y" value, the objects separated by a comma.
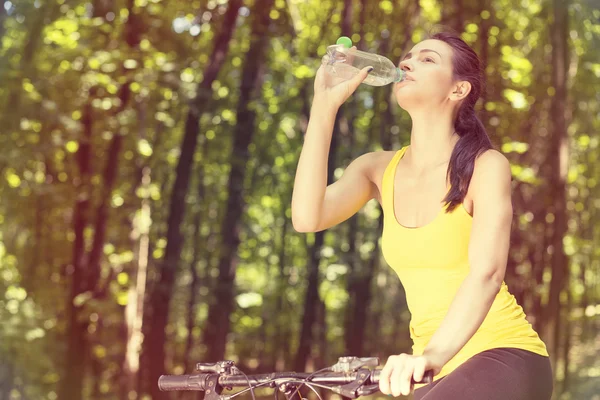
[
  {"x": 410, "y": 99},
  {"x": 407, "y": 101}
]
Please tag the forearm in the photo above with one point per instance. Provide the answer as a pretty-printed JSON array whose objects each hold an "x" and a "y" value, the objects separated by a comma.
[
  {"x": 310, "y": 182},
  {"x": 465, "y": 315}
]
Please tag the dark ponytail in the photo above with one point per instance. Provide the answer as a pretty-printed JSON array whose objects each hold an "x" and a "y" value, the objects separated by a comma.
[{"x": 473, "y": 139}]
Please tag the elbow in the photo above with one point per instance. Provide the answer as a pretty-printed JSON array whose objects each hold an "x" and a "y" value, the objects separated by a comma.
[
  {"x": 301, "y": 229},
  {"x": 300, "y": 225},
  {"x": 490, "y": 280},
  {"x": 305, "y": 218},
  {"x": 303, "y": 222}
]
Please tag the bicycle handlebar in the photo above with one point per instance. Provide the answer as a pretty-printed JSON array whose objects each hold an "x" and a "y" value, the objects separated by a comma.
[{"x": 208, "y": 381}]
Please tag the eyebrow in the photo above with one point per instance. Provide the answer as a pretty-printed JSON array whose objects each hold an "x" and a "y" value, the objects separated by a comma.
[{"x": 423, "y": 51}]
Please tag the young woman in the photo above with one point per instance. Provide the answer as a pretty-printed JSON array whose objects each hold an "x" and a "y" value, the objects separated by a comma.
[{"x": 446, "y": 199}]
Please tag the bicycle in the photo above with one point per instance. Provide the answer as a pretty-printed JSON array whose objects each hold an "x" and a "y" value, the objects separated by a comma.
[{"x": 350, "y": 377}]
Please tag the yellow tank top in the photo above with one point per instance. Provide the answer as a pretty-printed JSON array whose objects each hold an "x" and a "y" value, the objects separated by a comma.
[{"x": 431, "y": 262}]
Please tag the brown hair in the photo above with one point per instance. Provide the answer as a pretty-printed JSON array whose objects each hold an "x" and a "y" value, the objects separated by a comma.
[{"x": 474, "y": 139}]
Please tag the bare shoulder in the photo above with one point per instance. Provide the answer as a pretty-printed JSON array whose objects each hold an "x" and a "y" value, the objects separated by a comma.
[
  {"x": 375, "y": 163},
  {"x": 491, "y": 174},
  {"x": 491, "y": 164}
]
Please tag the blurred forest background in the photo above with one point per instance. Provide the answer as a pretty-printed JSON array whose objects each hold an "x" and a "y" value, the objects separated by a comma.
[{"x": 149, "y": 153}]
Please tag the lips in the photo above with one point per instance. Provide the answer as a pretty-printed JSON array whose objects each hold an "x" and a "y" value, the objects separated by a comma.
[{"x": 402, "y": 82}]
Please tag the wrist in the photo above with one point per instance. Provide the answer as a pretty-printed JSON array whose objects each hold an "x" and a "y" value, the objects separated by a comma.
[
  {"x": 324, "y": 106},
  {"x": 437, "y": 357}
]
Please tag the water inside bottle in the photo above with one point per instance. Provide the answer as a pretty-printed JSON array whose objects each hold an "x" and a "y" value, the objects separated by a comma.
[
  {"x": 376, "y": 80},
  {"x": 344, "y": 72}
]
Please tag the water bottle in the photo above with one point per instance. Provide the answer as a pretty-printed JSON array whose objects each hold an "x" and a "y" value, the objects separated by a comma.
[{"x": 343, "y": 62}]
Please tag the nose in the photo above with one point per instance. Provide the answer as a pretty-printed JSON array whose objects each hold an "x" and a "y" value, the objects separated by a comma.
[{"x": 405, "y": 65}]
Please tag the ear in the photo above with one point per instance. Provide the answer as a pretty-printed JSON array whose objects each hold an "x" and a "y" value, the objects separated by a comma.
[{"x": 460, "y": 90}]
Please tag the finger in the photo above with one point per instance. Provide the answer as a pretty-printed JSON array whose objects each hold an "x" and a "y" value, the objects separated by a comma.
[
  {"x": 359, "y": 78},
  {"x": 396, "y": 377},
  {"x": 419, "y": 371},
  {"x": 384, "y": 376},
  {"x": 407, "y": 374},
  {"x": 320, "y": 78},
  {"x": 320, "y": 70}
]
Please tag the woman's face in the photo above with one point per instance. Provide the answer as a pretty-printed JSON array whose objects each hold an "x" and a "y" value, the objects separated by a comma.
[{"x": 429, "y": 80}]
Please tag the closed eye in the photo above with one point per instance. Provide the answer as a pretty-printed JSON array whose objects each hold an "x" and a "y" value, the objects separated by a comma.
[{"x": 429, "y": 59}]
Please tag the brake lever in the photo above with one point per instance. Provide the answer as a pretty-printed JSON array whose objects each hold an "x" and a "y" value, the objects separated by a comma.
[
  {"x": 367, "y": 390},
  {"x": 348, "y": 364},
  {"x": 351, "y": 389},
  {"x": 220, "y": 367}
]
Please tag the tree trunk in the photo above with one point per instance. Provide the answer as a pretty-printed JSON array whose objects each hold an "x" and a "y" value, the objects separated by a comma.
[
  {"x": 161, "y": 295},
  {"x": 281, "y": 329},
  {"x": 195, "y": 284},
  {"x": 566, "y": 345},
  {"x": 558, "y": 158},
  {"x": 86, "y": 280},
  {"x": 364, "y": 278},
  {"x": 539, "y": 266},
  {"x": 459, "y": 19},
  {"x": 191, "y": 312},
  {"x": 217, "y": 324},
  {"x": 86, "y": 273},
  {"x": 71, "y": 384},
  {"x": 412, "y": 20},
  {"x": 351, "y": 283},
  {"x": 453, "y": 15},
  {"x": 109, "y": 176},
  {"x": 101, "y": 8},
  {"x": 321, "y": 358},
  {"x": 7, "y": 373},
  {"x": 134, "y": 311},
  {"x": 311, "y": 299}
]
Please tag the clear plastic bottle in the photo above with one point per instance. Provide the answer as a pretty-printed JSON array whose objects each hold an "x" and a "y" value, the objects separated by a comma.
[{"x": 343, "y": 62}]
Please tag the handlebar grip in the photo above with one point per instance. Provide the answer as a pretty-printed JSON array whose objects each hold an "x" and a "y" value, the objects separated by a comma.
[
  {"x": 182, "y": 382},
  {"x": 427, "y": 378}
]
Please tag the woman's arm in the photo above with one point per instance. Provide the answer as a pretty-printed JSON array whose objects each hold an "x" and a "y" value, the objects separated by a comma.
[
  {"x": 488, "y": 254},
  {"x": 315, "y": 206}
]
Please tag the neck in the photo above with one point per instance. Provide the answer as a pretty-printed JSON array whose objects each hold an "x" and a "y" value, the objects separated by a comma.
[{"x": 432, "y": 139}]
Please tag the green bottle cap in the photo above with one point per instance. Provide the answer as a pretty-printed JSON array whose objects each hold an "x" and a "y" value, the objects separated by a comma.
[{"x": 345, "y": 41}]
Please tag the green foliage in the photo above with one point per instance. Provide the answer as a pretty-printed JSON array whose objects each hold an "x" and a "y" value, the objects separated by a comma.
[{"x": 61, "y": 65}]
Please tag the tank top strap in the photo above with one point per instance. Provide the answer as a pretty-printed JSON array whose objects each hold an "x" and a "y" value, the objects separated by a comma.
[{"x": 388, "y": 180}]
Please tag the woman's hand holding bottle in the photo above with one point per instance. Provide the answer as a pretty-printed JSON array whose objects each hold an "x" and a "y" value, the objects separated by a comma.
[{"x": 331, "y": 91}]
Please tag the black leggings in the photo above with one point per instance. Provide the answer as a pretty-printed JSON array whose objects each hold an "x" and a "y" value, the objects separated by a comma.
[{"x": 496, "y": 374}]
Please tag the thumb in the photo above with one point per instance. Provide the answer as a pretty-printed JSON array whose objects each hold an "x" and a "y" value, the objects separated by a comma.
[
  {"x": 419, "y": 371},
  {"x": 359, "y": 78}
]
